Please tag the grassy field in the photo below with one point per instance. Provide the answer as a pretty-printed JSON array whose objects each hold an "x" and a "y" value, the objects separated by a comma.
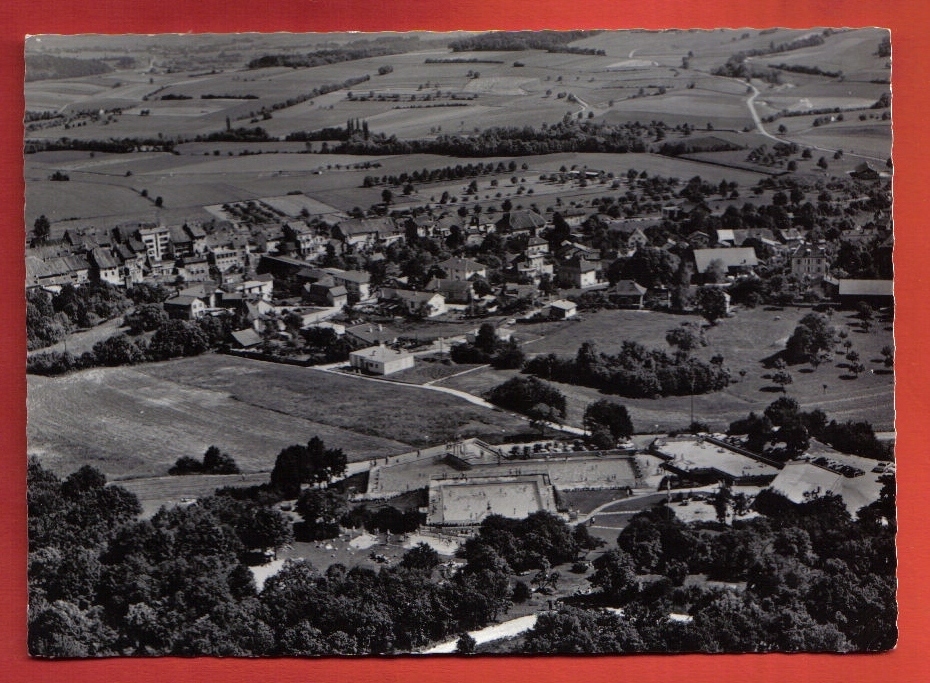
[
  {"x": 136, "y": 421},
  {"x": 744, "y": 340}
]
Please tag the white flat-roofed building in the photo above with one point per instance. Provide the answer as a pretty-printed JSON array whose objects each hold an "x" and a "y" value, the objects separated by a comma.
[
  {"x": 707, "y": 459},
  {"x": 381, "y": 360}
]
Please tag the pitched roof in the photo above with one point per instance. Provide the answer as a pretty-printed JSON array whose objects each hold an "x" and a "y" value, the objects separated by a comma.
[
  {"x": 866, "y": 288},
  {"x": 103, "y": 258},
  {"x": 730, "y": 257},
  {"x": 372, "y": 333},
  {"x": 247, "y": 337},
  {"x": 563, "y": 304},
  {"x": 181, "y": 300},
  {"x": 523, "y": 219},
  {"x": 357, "y": 276},
  {"x": 363, "y": 226},
  {"x": 462, "y": 263},
  {"x": 628, "y": 288}
]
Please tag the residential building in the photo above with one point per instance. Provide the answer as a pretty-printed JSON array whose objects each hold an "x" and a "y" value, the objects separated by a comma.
[
  {"x": 463, "y": 268},
  {"x": 157, "y": 241},
  {"x": 106, "y": 267},
  {"x": 421, "y": 304},
  {"x": 580, "y": 270},
  {"x": 809, "y": 262},
  {"x": 184, "y": 307},
  {"x": 381, "y": 360},
  {"x": 366, "y": 232}
]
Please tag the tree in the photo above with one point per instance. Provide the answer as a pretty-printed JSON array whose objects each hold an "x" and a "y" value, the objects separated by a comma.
[
  {"x": 888, "y": 354},
  {"x": 420, "y": 557},
  {"x": 41, "y": 229},
  {"x": 614, "y": 575},
  {"x": 146, "y": 318},
  {"x": 217, "y": 462},
  {"x": 711, "y": 302},
  {"x": 716, "y": 272},
  {"x": 465, "y": 645},
  {"x": 782, "y": 378},
  {"x": 813, "y": 337},
  {"x": 608, "y": 415},
  {"x": 321, "y": 510},
  {"x": 685, "y": 338},
  {"x": 386, "y": 196}
]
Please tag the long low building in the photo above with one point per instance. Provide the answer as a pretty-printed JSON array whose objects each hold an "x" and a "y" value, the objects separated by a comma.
[{"x": 706, "y": 460}]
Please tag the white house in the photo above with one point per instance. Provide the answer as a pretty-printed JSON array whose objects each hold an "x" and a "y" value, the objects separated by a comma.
[{"x": 381, "y": 360}]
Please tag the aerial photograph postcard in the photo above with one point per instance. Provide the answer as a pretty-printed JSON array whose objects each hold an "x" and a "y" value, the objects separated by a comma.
[{"x": 346, "y": 344}]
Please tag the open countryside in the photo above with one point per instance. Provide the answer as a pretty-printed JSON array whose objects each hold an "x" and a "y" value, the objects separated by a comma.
[{"x": 527, "y": 342}]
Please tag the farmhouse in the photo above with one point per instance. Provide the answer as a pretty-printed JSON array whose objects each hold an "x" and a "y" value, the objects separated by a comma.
[
  {"x": 523, "y": 222},
  {"x": 368, "y": 333},
  {"x": 735, "y": 260},
  {"x": 454, "y": 291},
  {"x": 381, "y": 360},
  {"x": 55, "y": 272},
  {"x": 366, "y": 232},
  {"x": 356, "y": 282},
  {"x": 247, "y": 338},
  {"x": 106, "y": 268},
  {"x": 325, "y": 292},
  {"x": 707, "y": 460}
]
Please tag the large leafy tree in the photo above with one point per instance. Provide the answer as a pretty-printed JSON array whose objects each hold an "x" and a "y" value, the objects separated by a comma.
[
  {"x": 610, "y": 416},
  {"x": 711, "y": 302}
]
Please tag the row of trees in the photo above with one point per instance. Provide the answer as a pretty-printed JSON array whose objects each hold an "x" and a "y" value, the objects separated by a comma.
[
  {"x": 783, "y": 431},
  {"x": 172, "y": 339},
  {"x": 634, "y": 371},
  {"x": 214, "y": 462},
  {"x": 489, "y": 348},
  {"x": 512, "y": 141}
]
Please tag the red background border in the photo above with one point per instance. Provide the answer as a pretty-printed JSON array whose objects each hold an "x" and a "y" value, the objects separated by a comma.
[{"x": 908, "y": 22}]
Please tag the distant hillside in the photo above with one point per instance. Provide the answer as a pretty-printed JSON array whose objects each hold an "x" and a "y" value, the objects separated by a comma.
[
  {"x": 359, "y": 49},
  {"x": 44, "y": 67},
  {"x": 553, "y": 41}
]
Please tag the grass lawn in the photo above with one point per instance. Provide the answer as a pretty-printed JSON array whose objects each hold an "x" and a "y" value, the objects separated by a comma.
[
  {"x": 429, "y": 369},
  {"x": 136, "y": 421},
  {"x": 744, "y": 340}
]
